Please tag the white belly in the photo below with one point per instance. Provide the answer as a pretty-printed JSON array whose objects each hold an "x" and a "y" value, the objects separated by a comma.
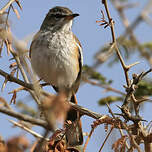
[{"x": 55, "y": 66}]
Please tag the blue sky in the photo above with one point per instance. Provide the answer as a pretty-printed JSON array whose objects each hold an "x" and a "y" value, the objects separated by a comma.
[{"x": 92, "y": 38}]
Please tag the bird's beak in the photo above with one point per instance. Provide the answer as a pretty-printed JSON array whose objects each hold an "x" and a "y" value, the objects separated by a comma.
[{"x": 70, "y": 17}]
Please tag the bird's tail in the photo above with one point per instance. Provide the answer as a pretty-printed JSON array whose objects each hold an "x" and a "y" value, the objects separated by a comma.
[{"x": 74, "y": 134}]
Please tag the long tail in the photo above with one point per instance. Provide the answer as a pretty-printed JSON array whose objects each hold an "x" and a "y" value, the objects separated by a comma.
[{"x": 74, "y": 134}]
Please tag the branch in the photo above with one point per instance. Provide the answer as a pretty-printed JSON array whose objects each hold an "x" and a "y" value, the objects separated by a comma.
[
  {"x": 82, "y": 110},
  {"x": 27, "y": 129},
  {"x": 24, "y": 117},
  {"x": 106, "y": 87},
  {"x": 43, "y": 123},
  {"x": 10, "y": 78},
  {"x": 6, "y": 6},
  {"x": 111, "y": 24},
  {"x": 85, "y": 111}
]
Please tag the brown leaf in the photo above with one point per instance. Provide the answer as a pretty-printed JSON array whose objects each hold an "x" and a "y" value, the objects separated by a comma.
[
  {"x": 61, "y": 107},
  {"x": 60, "y": 146},
  {"x": 3, "y": 34},
  {"x": 17, "y": 144},
  {"x": 106, "y": 127},
  {"x": 45, "y": 147},
  {"x": 3, "y": 101},
  {"x": 14, "y": 64},
  {"x": 13, "y": 72},
  {"x": 33, "y": 146},
  {"x": 120, "y": 144},
  {"x": 55, "y": 108},
  {"x": 57, "y": 136},
  {"x": 17, "y": 13},
  {"x": 3, "y": 147}
]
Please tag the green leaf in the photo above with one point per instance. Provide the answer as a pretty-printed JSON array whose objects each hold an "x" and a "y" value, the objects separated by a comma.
[
  {"x": 94, "y": 74},
  {"x": 144, "y": 88},
  {"x": 109, "y": 99}
]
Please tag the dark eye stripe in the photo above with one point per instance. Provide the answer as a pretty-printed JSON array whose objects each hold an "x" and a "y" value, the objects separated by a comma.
[{"x": 58, "y": 15}]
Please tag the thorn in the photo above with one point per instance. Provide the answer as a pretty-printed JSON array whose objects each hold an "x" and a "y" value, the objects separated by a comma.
[
  {"x": 131, "y": 65},
  {"x": 119, "y": 107},
  {"x": 126, "y": 87},
  {"x": 4, "y": 85}
]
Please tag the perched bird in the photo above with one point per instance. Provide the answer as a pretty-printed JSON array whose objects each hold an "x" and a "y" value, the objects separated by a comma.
[{"x": 56, "y": 57}]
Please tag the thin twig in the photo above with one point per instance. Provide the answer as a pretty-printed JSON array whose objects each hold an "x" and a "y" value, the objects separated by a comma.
[
  {"x": 133, "y": 142},
  {"x": 87, "y": 141},
  {"x": 120, "y": 130},
  {"x": 28, "y": 130},
  {"x": 13, "y": 79},
  {"x": 106, "y": 138},
  {"x": 23, "y": 72},
  {"x": 110, "y": 111},
  {"x": 122, "y": 134},
  {"x": 111, "y": 23},
  {"x": 110, "y": 20},
  {"x": 6, "y": 6},
  {"x": 107, "y": 87},
  {"x": 85, "y": 111},
  {"x": 24, "y": 117}
]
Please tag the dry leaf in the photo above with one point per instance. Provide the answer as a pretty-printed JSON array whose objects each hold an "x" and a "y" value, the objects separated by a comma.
[
  {"x": 33, "y": 146},
  {"x": 60, "y": 147},
  {"x": 13, "y": 71},
  {"x": 106, "y": 127},
  {"x": 44, "y": 148},
  {"x": 17, "y": 13},
  {"x": 120, "y": 144},
  {"x": 55, "y": 108},
  {"x": 17, "y": 144},
  {"x": 2, "y": 101},
  {"x": 14, "y": 64},
  {"x": 3, "y": 147}
]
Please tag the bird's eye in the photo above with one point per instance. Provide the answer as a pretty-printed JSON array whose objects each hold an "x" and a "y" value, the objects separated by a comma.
[{"x": 57, "y": 16}]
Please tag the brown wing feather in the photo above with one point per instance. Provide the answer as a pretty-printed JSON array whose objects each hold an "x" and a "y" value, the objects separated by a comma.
[{"x": 79, "y": 53}]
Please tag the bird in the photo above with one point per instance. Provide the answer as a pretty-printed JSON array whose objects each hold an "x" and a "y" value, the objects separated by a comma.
[{"x": 57, "y": 58}]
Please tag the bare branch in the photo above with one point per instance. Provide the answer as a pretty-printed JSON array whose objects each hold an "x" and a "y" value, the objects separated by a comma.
[
  {"x": 23, "y": 117},
  {"x": 28, "y": 130},
  {"x": 10, "y": 78},
  {"x": 106, "y": 138},
  {"x": 6, "y": 6}
]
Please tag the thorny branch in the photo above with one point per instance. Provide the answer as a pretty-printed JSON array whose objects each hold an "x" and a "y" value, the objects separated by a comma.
[
  {"x": 100, "y": 119},
  {"x": 111, "y": 24},
  {"x": 143, "y": 16},
  {"x": 27, "y": 129},
  {"x": 10, "y": 78},
  {"x": 131, "y": 85},
  {"x": 6, "y": 6},
  {"x": 23, "y": 117}
]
